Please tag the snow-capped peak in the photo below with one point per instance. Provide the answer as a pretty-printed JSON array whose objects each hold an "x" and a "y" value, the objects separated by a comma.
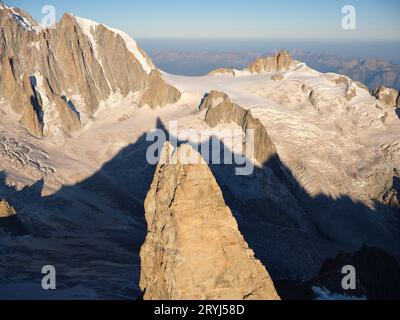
[
  {"x": 89, "y": 27},
  {"x": 3, "y": 6},
  {"x": 132, "y": 46},
  {"x": 22, "y": 20}
]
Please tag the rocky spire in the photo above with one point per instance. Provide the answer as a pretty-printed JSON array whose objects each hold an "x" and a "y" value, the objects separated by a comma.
[{"x": 194, "y": 249}]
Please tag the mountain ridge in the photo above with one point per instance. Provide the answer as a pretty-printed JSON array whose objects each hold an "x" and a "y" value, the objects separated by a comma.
[
  {"x": 68, "y": 71},
  {"x": 326, "y": 172}
]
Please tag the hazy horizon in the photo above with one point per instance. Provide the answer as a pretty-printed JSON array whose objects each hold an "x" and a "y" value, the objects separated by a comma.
[
  {"x": 384, "y": 50},
  {"x": 286, "y": 19},
  {"x": 256, "y": 26}
]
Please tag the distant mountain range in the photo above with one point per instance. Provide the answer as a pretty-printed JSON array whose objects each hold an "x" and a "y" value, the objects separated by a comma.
[{"x": 372, "y": 72}]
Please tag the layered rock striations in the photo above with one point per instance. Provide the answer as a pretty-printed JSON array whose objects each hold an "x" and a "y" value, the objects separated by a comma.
[
  {"x": 52, "y": 76},
  {"x": 220, "y": 109},
  {"x": 193, "y": 248}
]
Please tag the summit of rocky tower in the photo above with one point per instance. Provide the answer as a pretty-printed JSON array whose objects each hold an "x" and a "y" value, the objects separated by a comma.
[
  {"x": 54, "y": 76},
  {"x": 193, "y": 248},
  {"x": 279, "y": 62}
]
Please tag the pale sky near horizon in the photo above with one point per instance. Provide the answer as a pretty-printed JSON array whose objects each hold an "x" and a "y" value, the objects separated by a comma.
[{"x": 284, "y": 19}]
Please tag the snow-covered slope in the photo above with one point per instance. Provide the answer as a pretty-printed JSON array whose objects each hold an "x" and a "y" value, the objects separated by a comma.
[{"x": 89, "y": 28}]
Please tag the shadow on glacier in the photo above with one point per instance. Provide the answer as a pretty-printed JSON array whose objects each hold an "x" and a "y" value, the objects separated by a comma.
[
  {"x": 292, "y": 232},
  {"x": 92, "y": 231}
]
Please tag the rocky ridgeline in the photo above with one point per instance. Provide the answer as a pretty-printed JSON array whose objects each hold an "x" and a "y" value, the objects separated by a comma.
[
  {"x": 193, "y": 248},
  {"x": 279, "y": 62},
  {"x": 220, "y": 109},
  {"x": 52, "y": 76}
]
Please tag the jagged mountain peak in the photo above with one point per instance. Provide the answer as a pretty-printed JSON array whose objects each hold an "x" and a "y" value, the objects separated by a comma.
[
  {"x": 59, "y": 77},
  {"x": 22, "y": 18},
  {"x": 280, "y": 62},
  {"x": 90, "y": 29}
]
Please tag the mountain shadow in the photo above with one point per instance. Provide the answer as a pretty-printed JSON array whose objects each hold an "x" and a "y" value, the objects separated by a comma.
[
  {"x": 377, "y": 277},
  {"x": 92, "y": 231}
]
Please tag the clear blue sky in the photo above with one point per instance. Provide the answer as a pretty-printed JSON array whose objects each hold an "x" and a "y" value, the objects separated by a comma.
[{"x": 283, "y": 19}]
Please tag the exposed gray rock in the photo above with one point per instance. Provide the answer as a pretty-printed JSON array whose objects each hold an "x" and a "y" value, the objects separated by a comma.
[{"x": 278, "y": 62}]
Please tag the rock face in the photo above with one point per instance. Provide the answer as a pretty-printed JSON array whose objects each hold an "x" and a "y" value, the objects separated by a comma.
[
  {"x": 279, "y": 62},
  {"x": 389, "y": 97},
  {"x": 220, "y": 109},
  {"x": 158, "y": 93},
  {"x": 6, "y": 210},
  {"x": 53, "y": 76},
  {"x": 193, "y": 249}
]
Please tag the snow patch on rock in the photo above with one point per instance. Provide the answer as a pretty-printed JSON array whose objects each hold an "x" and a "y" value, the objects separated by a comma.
[
  {"x": 51, "y": 117},
  {"x": 89, "y": 28},
  {"x": 23, "y": 21}
]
